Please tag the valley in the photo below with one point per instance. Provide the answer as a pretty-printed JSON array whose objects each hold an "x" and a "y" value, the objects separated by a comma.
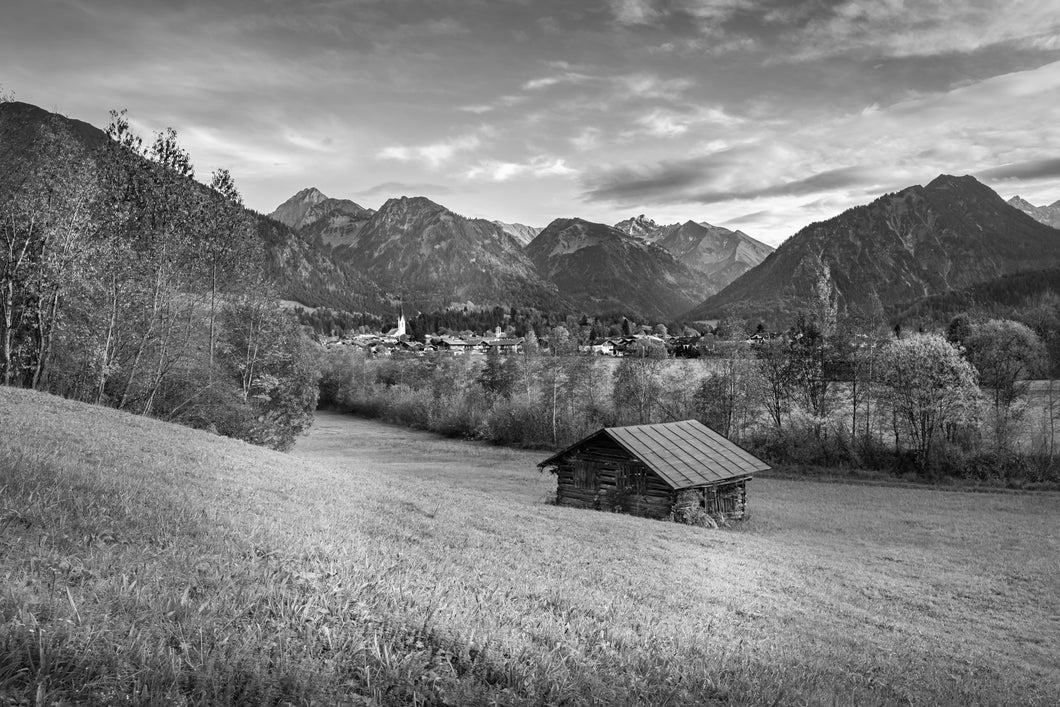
[{"x": 296, "y": 297}]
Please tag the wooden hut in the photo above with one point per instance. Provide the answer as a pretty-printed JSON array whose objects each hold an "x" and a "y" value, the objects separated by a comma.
[{"x": 655, "y": 470}]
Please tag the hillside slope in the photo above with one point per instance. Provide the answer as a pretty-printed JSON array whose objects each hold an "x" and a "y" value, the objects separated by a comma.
[
  {"x": 303, "y": 272},
  {"x": 153, "y": 563},
  {"x": 992, "y": 296},
  {"x": 921, "y": 241},
  {"x": 523, "y": 234}
]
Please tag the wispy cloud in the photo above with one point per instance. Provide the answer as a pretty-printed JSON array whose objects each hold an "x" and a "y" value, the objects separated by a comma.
[
  {"x": 702, "y": 180},
  {"x": 506, "y": 101},
  {"x": 434, "y": 154},
  {"x": 634, "y": 12},
  {"x": 567, "y": 77},
  {"x": 586, "y": 139},
  {"x": 1048, "y": 168},
  {"x": 391, "y": 189},
  {"x": 540, "y": 166},
  {"x": 893, "y": 28},
  {"x": 662, "y": 122}
]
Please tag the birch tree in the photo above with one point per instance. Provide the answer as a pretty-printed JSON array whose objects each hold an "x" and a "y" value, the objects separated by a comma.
[{"x": 43, "y": 225}]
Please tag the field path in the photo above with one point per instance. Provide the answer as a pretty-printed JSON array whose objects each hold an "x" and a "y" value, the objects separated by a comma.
[{"x": 347, "y": 440}]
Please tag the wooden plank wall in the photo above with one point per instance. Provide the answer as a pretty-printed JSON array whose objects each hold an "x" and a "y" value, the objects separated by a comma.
[
  {"x": 606, "y": 460},
  {"x": 728, "y": 501}
]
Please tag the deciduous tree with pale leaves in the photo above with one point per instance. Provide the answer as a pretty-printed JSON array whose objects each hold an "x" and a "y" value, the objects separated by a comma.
[{"x": 929, "y": 386}]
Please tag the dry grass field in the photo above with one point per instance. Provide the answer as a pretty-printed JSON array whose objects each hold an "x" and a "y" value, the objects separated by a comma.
[{"x": 146, "y": 563}]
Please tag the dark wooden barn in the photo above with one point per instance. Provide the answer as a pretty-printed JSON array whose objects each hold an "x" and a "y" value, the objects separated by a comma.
[{"x": 655, "y": 470}]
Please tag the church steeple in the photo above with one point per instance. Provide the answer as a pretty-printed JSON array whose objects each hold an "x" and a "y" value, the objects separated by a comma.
[{"x": 401, "y": 321}]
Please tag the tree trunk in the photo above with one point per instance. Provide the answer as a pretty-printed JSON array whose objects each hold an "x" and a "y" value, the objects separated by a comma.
[
  {"x": 16, "y": 256},
  {"x": 109, "y": 341},
  {"x": 149, "y": 329},
  {"x": 555, "y": 386},
  {"x": 213, "y": 322},
  {"x": 47, "y": 333},
  {"x": 5, "y": 338}
]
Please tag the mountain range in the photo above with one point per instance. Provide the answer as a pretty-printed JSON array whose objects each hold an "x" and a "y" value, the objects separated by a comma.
[
  {"x": 605, "y": 270},
  {"x": 1049, "y": 215},
  {"x": 920, "y": 241},
  {"x": 426, "y": 254},
  {"x": 716, "y": 253},
  {"x": 421, "y": 252}
]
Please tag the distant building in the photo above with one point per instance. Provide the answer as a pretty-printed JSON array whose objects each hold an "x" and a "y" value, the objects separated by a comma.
[
  {"x": 400, "y": 330},
  {"x": 603, "y": 348},
  {"x": 505, "y": 346},
  {"x": 452, "y": 344}
]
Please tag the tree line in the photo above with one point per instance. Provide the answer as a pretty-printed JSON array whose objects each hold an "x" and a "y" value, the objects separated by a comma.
[
  {"x": 125, "y": 282},
  {"x": 834, "y": 391}
]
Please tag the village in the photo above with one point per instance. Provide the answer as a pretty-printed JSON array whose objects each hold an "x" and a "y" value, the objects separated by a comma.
[{"x": 643, "y": 344}]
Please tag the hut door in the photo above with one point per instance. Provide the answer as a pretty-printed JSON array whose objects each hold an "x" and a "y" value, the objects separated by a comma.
[
  {"x": 723, "y": 501},
  {"x": 711, "y": 502},
  {"x": 630, "y": 482}
]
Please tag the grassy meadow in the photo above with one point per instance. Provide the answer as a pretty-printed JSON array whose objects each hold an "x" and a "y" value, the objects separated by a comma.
[{"x": 142, "y": 562}]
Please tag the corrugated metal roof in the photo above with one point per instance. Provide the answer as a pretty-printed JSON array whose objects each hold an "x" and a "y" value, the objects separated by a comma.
[{"x": 683, "y": 454}]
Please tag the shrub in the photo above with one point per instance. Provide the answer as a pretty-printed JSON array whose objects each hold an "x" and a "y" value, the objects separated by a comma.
[{"x": 687, "y": 510}]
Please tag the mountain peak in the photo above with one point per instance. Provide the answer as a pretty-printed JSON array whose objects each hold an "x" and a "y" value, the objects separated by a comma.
[
  {"x": 949, "y": 181},
  {"x": 310, "y": 193},
  {"x": 293, "y": 212},
  {"x": 410, "y": 203},
  {"x": 639, "y": 226},
  {"x": 311, "y": 205}
]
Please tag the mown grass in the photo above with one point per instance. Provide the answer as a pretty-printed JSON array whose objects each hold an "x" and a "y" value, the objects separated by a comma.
[{"x": 148, "y": 563}]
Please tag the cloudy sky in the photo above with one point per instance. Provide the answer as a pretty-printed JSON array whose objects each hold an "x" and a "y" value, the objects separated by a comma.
[{"x": 762, "y": 115}]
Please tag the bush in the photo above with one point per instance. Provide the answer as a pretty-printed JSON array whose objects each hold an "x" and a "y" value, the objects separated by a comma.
[
  {"x": 688, "y": 511},
  {"x": 342, "y": 370}
]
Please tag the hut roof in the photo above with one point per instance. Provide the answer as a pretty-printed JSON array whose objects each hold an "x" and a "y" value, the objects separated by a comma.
[{"x": 683, "y": 454}]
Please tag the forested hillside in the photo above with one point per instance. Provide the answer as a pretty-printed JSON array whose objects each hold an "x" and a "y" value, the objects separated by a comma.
[{"x": 125, "y": 282}]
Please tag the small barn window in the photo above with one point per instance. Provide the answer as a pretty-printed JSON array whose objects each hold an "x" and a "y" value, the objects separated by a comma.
[
  {"x": 631, "y": 478},
  {"x": 584, "y": 475}
]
